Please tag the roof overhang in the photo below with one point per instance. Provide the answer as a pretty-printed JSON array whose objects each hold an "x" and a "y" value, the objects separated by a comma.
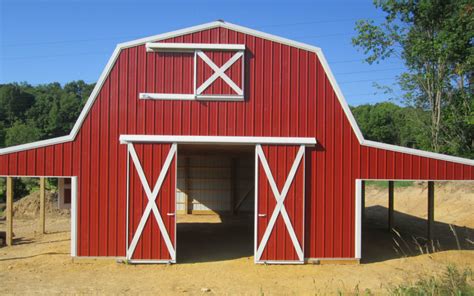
[{"x": 244, "y": 30}]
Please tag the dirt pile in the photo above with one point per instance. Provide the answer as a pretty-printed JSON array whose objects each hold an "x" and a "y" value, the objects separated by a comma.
[
  {"x": 454, "y": 201},
  {"x": 29, "y": 206}
]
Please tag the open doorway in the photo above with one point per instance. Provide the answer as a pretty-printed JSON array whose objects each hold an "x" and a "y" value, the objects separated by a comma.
[
  {"x": 215, "y": 202},
  {"x": 406, "y": 235}
]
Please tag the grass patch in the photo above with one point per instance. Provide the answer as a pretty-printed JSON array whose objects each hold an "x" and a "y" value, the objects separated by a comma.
[
  {"x": 384, "y": 184},
  {"x": 453, "y": 281}
]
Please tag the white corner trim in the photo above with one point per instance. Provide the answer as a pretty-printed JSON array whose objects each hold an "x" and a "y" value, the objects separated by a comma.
[
  {"x": 74, "y": 216},
  {"x": 358, "y": 219},
  {"x": 191, "y": 47},
  {"x": 125, "y": 139},
  {"x": 417, "y": 152},
  {"x": 244, "y": 30}
]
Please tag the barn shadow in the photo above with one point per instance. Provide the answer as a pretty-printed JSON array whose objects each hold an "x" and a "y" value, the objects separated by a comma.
[
  {"x": 208, "y": 241},
  {"x": 379, "y": 244}
]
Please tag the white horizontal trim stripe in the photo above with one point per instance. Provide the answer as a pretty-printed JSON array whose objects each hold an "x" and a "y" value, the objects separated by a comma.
[
  {"x": 190, "y": 47},
  {"x": 244, "y": 30},
  {"x": 152, "y": 96},
  {"x": 229, "y": 98},
  {"x": 190, "y": 97},
  {"x": 124, "y": 139}
]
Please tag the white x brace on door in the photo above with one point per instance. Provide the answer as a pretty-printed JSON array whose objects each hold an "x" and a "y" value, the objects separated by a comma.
[
  {"x": 164, "y": 217},
  {"x": 272, "y": 238}
]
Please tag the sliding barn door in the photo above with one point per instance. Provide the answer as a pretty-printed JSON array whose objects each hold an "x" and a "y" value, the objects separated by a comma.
[
  {"x": 279, "y": 199},
  {"x": 151, "y": 224}
]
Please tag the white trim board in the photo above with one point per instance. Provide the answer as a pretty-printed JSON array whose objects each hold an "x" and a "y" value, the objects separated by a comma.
[
  {"x": 74, "y": 216},
  {"x": 190, "y": 47},
  {"x": 358, "y": 219},
  {"x": 244, "y": 30},
  {"x": 124, "y": 139}
]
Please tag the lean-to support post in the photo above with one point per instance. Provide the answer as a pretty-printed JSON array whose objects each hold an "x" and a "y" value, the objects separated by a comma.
[
  {"x": 431, "y": 191},
  {"x": 390, "y": 204},
  {"x": 42, "y": 225},
  {"x": 9, "y": 234}
]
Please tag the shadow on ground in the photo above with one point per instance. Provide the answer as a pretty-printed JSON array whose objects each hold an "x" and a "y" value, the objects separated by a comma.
[{"x": 379, "y": 244}]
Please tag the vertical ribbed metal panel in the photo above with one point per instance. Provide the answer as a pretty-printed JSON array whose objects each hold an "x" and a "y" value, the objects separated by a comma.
[{"x": 287, "y": 93}]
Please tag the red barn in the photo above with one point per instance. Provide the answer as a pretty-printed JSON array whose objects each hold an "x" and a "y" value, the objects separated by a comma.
[{"x": 220, "y": 89}]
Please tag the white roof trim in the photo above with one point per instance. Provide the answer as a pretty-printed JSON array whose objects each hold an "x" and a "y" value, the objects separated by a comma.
[
  {"x": 191, "y": 47},
  {"x": 244, "y": 30},
  {"x": 38, "y": 144},
  {"x": 417, "y": 152},
  {"x": 218, "y": 140}
]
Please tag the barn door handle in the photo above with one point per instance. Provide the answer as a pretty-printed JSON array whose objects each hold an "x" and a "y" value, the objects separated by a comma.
[
  {"x": 262, "y": 215},
  {"x": 170, "y": 214}
]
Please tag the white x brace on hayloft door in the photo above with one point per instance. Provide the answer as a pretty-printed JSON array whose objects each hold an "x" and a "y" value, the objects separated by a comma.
[
  {"x": 279, "y": 203},
  {"x": 151, "y": 203}
]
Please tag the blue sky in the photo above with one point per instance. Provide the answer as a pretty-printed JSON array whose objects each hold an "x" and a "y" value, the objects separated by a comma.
[{"x": 48, "y": 41}]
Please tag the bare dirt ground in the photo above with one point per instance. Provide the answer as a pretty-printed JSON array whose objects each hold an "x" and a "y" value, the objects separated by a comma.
[{"x": 214, "y": 262}]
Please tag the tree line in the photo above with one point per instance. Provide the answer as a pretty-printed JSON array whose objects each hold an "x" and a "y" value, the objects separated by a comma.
[{"x": 30, "y": 113}]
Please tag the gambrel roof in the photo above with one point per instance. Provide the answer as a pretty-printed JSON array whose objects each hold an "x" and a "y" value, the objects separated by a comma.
[{"x": 248, "y": 31}]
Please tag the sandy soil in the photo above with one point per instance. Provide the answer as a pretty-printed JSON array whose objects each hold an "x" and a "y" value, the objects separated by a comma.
[{"x": 41, "y": 263}]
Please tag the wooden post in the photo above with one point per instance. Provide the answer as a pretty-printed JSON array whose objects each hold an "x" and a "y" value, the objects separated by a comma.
[
  {"x": 390, "y": 205},
  {"x": 430, "y": 209},
  {"x": 362, "y": 197},
  {"x": 42, "y": 227},
  {"x": 233, "y": 186},
  {"x": 187, "y": 185},
  {"x": 9, "y": 209}
]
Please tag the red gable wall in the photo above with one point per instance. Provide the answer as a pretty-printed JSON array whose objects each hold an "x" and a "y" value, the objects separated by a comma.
[{"x": 287, "y": 94}]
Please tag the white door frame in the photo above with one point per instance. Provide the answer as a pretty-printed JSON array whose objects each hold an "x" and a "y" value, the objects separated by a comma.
[
  {"x": 151, "y": 206},
  {"x": 279, "y": 207}
]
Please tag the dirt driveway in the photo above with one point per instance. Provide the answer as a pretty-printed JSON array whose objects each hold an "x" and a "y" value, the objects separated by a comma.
[{"x": 41, "y": 263}]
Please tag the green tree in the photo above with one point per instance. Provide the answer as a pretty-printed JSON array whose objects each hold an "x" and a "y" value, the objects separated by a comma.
[
  {"x": 21, "y": 133},
  {"x": 14, "y": 102},
  {"x": 389, "y": 123},
  {"x": 434, "y": 39},
  {"x": 2, "y": 134}
]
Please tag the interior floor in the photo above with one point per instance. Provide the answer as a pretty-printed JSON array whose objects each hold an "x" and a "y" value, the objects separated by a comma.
[{"x": 204, "y": 238}]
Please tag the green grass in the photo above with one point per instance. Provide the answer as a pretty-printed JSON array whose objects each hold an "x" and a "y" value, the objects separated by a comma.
[
  {"x": 384, "y": 184},
  {"x": 453, "y": 281}
]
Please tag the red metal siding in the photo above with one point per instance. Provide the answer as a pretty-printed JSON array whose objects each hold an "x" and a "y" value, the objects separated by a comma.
[{"x": 287, "y": 94}]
